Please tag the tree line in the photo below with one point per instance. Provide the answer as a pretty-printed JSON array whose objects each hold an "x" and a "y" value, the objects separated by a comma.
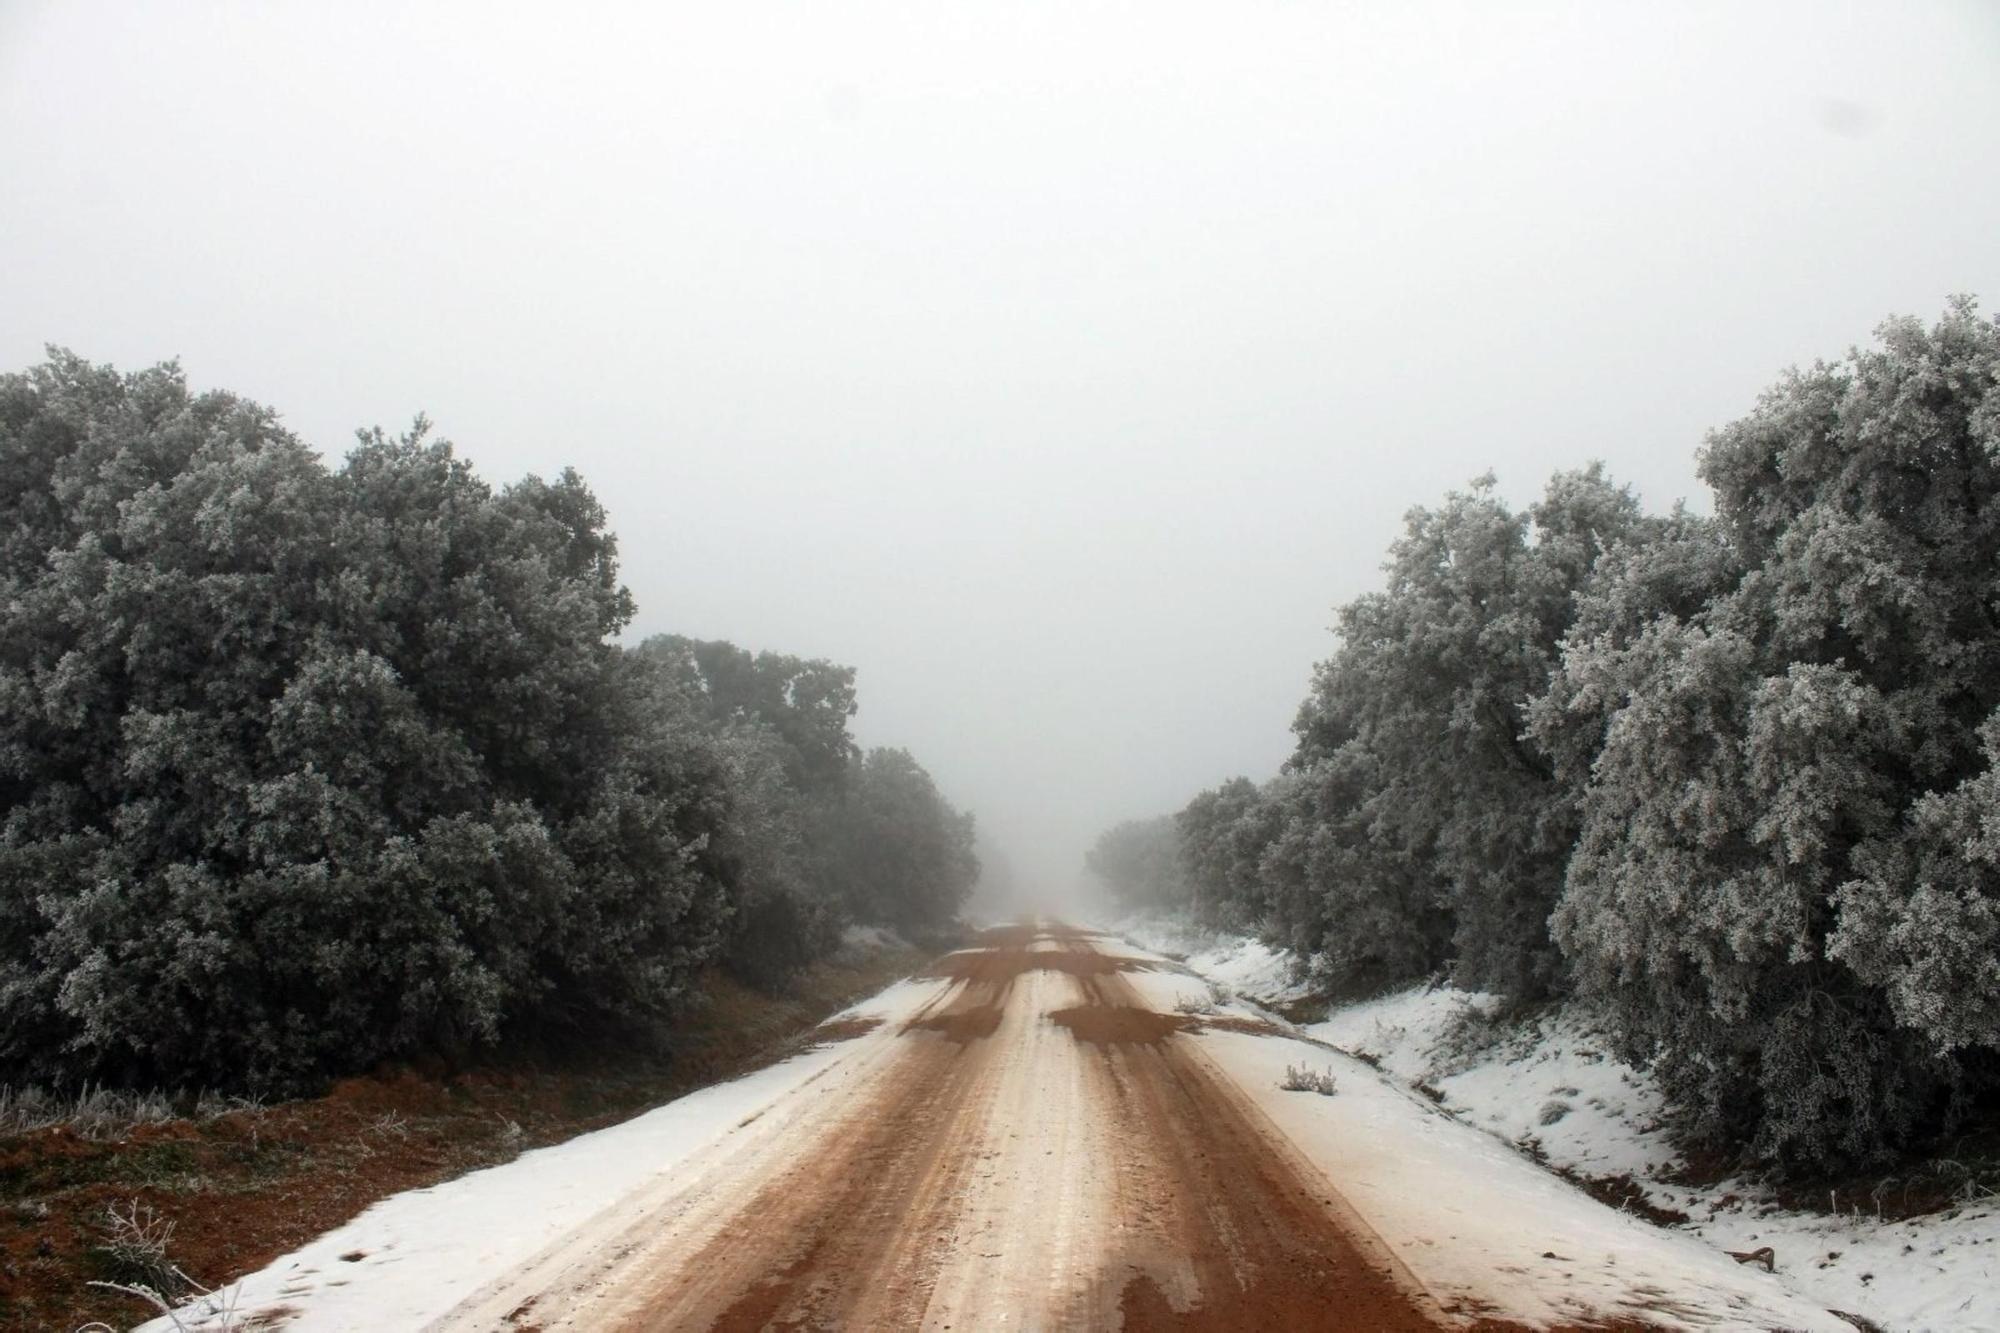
[
  {"x": 307, "y": 767},
  {"x": 1734, "y": 781}
]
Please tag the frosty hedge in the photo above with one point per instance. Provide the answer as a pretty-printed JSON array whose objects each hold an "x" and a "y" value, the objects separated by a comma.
[
  {"x": 1732, "y": 779},
  {"x": 301, "y": 768}
]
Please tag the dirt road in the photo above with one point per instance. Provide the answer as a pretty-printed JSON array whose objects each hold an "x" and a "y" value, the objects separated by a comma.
[{"x": 1034, "y": 1148}]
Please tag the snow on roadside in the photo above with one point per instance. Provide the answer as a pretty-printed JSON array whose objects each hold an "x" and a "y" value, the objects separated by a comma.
[
  {"x": 1552, "y": 1088},
  {"x": 1236, "y": 963},
  {"x": 1484, "y": 1229},
  {"x": 409, "y": 1258},
  {"x": 1549, "y": 1086},
  {"x": 863, "y": 941}
]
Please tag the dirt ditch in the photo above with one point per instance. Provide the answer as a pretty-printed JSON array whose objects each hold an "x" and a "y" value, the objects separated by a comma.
[{"x": 244, "y": 1186}]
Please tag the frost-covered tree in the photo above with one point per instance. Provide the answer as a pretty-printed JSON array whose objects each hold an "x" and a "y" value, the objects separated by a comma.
[
  {"x": 785, "y": 912},
  {"x": 1223, "y": 833},
  {"x": 898, "y": 854},
  {"x": 1773, "y": 724},
  {"x": 303, "y": 768},
  {"x": 1431, "y": 686},
  {"x": 1139, "y": 862},
  {"x": 802, "y": 703},
  {"x": 782, "y": 724},
  {"x": 1921, "y": 919},
  {"x": 1416, "y": 824},
  {"x": 1340, "y": 894},
  {"x": 1734, "y": 777}
]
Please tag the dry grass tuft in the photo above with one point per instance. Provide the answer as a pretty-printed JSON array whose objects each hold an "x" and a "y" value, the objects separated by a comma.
[{"x": 1302, "y": 1078}]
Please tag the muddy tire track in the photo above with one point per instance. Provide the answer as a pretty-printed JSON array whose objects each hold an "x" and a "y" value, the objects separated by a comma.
[
  {"x": 1236, "y": 1231},
  {"x": 1034, "y": 1148}
]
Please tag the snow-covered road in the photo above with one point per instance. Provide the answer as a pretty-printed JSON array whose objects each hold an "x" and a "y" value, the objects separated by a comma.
[{"x": 1054, "y": 1131}]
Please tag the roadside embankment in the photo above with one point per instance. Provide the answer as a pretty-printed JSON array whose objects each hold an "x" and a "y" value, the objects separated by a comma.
[{"x": 218, "y": 1188}]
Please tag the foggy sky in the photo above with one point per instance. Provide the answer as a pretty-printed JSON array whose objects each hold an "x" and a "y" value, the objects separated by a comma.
[{"x": 1058, "y": 366}]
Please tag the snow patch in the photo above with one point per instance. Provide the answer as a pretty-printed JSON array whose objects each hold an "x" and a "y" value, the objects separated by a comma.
[
  {"x": 1551, "y": 1087},
  {"x": 867, "y": 941},
  {"x": 1482, "y": 1228},
  {"x": 1238, "y": 964},
  {"x": 426, "y": 1250}
]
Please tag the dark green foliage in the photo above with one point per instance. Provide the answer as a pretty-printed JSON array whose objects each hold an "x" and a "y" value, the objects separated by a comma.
[
  {"x": 803, "y": 704},
  {"x": 786, "y": 916},
  {"x": 816, "y": 834},
  {"x": 1341, "y": 894},
  {"x": 897, "y": 854},
  {"x": 1780, "y": 887},
  {"x": 303, "y": 768},
  {"x": 1139, "y": 861},
  {"x": 1731, "y": 779},
  {"x": 1222, "y": 834}
]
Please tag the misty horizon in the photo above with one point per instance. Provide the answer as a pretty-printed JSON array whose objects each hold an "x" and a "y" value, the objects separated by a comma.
[{"x": 1060, "y": 372}]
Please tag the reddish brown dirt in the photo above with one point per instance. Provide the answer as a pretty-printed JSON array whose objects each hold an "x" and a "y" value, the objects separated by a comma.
[
  {"x": 961, "y": 1026},
  {"x": 807, "y": 1246},
  {"x": 242, "y": 1188},
  {"x": 245, "y": 1187},
  {"x": 1107, "y": 1025},
  {"x": 1255, "y": 1027},
  {"x": 1221, "y": 1225},
  {"x": 1622, "y": 1192},
  {"x": 1004, "y": 964},
  {"x": 1267, "y": 1244}
]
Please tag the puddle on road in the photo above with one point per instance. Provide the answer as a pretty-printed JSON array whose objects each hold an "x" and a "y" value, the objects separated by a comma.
[{"x": 1103, "y": 1025}]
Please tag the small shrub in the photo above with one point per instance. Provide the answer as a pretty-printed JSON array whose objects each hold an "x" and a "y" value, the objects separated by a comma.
[
  {"x": 212, "y": 1312},
  {"x": 134, "y": 1249},
  {"x": 98, "y": 1113},
  {"x": 91, "y": 1113},
  {"x": 1194, "y": 1005},
  {"x": 1302, "y": 1078},
  {"x": 135, "y": 1258},
  {"x": 391, "y": 1124}
]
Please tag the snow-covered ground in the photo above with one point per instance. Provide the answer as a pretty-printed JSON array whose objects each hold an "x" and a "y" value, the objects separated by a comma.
[
  {"x": 1484, "y": 1229},
  {"x": 1552, "y": 1088},
  {"x": 1478, "y": 1223},
  {"x": 410, "y": 1258}
]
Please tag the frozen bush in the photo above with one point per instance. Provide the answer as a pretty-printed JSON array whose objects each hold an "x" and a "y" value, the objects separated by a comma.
[
  {"x": 1303, "y": 1078},
  {"x": 301, "y": 768},
  {"x": 1783, "y": 888}
]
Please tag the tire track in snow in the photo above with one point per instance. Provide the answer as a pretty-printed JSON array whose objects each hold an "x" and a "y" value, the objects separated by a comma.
[{"x": 1039, "y": 1152}]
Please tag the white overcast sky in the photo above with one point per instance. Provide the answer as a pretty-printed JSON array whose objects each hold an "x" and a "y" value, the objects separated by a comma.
[{"x": 1060, "y": 366}]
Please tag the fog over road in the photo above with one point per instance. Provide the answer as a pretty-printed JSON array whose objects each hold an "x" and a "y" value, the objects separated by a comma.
[{"x": 1032, "y": 1151}]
